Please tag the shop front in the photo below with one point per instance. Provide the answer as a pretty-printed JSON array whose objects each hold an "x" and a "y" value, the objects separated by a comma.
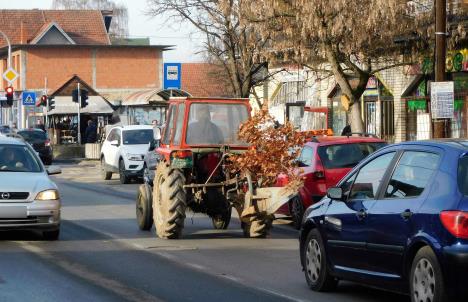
[
  {"x": 418, "y": 107},
  {"x": 63, "y": 122}
]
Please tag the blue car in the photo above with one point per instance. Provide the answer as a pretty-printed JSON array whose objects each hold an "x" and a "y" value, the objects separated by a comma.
[{"x": 398, "y": 221}]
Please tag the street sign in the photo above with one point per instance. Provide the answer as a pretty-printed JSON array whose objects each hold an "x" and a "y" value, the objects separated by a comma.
[
  {"x": 10, "y": 75},
  {"x": 442, "y": 98},
  {"x": 172, "y": 75},
  {"x": 29, "y": 98}
]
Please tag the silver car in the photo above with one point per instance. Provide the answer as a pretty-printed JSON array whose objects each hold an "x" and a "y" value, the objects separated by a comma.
[{"x": 29, "y": 199}]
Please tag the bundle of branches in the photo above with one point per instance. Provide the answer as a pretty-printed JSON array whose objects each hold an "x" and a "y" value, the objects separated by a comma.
[{"x": 273, "y": 150}]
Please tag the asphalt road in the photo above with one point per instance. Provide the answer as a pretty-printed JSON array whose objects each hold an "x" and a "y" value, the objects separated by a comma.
[{"x": 102, "y": 256}]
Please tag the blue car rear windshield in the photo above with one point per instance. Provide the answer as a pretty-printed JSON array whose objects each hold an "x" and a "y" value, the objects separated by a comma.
[{"x": 463, "y": 175}]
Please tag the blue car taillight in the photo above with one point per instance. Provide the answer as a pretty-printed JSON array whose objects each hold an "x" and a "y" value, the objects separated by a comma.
[{"x": 456, "y": 222}]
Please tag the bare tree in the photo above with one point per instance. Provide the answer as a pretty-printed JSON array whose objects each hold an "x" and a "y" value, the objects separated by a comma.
[
  {"x": 350, "y": 40},
  {"x": 229, "y": 42},
  {"x": 119, "y": 24}
]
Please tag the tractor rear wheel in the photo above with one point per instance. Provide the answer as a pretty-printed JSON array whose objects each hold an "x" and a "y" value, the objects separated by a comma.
[
  {"x": 258, "y": 228},
  {"x": 169, "y": 202},
  {"x": 221, "y": 221}
]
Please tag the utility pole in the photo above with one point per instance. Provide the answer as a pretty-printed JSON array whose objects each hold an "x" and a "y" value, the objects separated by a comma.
[
  {"x": 441, "y": 126},
  {"x": 47, "y": 104},
  {"x": 79, "y": 119}
]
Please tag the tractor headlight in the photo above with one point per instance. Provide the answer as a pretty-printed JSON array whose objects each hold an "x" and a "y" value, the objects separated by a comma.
[{"x": 48, "y": 195}]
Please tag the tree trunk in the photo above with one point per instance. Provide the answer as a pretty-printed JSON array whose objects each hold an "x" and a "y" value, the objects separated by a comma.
[{"x": 354, "y": 116}]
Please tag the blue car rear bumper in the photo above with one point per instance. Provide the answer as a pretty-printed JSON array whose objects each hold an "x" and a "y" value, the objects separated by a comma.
[{"x": 455, "y": 268}]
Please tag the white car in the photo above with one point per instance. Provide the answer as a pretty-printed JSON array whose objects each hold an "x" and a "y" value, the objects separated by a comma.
[
  {"x": 29, "y": 199},
  {"x": 123, "y": 151}
]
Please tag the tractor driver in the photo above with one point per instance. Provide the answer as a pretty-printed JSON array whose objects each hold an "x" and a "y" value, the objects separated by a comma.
[{"x": 203, "y": 131}]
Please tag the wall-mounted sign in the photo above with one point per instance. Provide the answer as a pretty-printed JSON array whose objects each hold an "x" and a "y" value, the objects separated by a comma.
[{"x": 442, "y": 99}]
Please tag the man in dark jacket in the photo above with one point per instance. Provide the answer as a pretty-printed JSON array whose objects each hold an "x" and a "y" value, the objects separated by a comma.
[
  {"x": 91, "y": 133},
  {"x": 40, "y": 125}
]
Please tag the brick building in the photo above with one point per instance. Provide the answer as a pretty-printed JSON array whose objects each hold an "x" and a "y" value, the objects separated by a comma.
[{"x": 51, "y": 46}]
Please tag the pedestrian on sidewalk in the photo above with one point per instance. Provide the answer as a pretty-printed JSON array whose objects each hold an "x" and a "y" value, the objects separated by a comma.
[
  {"x": 39, "y": 125},
  {"x": 91, "y": 133}
]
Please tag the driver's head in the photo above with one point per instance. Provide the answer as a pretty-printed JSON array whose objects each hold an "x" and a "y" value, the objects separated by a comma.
[
  {"x": 203, "y": 112},
  {"x": 9, "y": 154}
]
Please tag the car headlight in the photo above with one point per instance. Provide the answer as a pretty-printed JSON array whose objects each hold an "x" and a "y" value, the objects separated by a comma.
[
  {"x": 48, "y": 195},
  {"x": 134, "y": 157}
]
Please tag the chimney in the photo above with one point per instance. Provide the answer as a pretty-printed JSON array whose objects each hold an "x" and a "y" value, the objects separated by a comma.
[{"x": 23, "y": 34}]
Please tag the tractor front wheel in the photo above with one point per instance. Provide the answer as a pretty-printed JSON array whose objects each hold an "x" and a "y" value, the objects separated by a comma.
[
  {"x": 144, "y": 210},
  {"x": 169, "y": 202},
  {"x": 221, "y": 221}
]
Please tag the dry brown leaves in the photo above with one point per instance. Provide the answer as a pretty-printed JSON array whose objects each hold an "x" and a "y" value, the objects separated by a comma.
[{"x": 273, "y": 151}]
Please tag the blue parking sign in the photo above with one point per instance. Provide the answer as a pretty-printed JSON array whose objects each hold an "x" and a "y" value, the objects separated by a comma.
[{"x": 29, "y": 98}]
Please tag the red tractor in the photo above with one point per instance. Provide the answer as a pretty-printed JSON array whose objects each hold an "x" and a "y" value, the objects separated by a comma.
[{"x": 194, "y": 173}]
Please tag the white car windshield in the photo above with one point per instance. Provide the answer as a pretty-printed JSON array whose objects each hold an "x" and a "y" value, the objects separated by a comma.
[
  {"x": 137, "y": 137},
  {"x": 18, "y": 158}
]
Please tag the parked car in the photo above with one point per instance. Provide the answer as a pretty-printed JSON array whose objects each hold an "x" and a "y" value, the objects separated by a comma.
[
  {"x": 398, "y": 220},
  {"x": 5, "y": 129},
  {"x": 29, "y": 199},
  {"x": 38, "y": 139},
  {"x": 123, "y": 151},
  {"x": 323, "y": 162}
]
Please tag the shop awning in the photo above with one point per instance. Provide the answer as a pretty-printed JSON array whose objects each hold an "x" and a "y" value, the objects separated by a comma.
[
  {"x": 152, "y": 96},
  {"x": 96, "y": 105}
]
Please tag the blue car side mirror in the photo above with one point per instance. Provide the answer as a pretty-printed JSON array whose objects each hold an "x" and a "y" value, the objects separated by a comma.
[{"x": 335, "y": 193}]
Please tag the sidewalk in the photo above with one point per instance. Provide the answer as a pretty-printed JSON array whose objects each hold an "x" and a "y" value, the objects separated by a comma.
[{"x": 82, "y": 170}]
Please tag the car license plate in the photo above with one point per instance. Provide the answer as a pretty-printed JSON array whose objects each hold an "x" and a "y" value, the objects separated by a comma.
[{"x": 13, "y": 212}]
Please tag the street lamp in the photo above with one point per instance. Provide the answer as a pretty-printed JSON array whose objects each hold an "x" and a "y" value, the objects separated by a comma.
[
  {"x": 9, "y": 65},
  {"x": 9, "y": 48}
]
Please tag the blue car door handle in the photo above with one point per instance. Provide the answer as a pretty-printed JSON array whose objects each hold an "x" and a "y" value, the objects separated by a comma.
[
  {"x": 406, "y": 214},
  {"x": 361, "y": 214}
]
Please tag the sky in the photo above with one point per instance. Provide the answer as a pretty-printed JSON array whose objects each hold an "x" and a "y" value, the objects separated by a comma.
[{"x": 183, "y": 36}]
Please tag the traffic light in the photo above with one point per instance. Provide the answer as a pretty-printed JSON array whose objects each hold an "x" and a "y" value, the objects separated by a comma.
[
  {"x": 51, "y": 104},
  {"x": 9, "y": 95},
  {"x": 84, "y": 98},
  {"x": 43, "y": 101},
  {"x": 75, "y": 95}
]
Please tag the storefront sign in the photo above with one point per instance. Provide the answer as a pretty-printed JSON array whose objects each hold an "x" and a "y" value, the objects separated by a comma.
[
  {"x": 456, "y": 61},
  {"x": 414, "y": 105},
  {"x": 458, "y": 105},
  {"x": 442, "y": 99}
]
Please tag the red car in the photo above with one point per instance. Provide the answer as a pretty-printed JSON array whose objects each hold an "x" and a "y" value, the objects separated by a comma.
[{"x": 324, "y": 161}]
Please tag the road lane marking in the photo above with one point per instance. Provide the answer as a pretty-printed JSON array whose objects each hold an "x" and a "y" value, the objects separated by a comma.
[
  {"x": 177, "y": 260},
  {"x": 116, "y": 287}
]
